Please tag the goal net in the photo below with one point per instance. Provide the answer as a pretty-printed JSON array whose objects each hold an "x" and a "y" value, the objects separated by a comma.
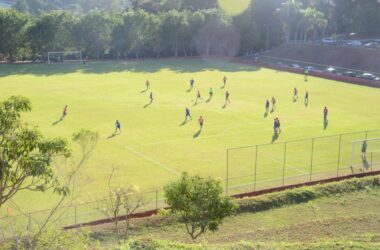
[
  {"x": 64, "y": 56},
  {"x": 365, "y": 154}
]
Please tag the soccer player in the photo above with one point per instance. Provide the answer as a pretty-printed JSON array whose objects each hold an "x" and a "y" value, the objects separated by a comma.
[
  {"x": 275, "y": 126},
  {"x": 200, "y": 120},
  {"x": 199, "y": 97},
  {"x": 192, "y": 83},
  {"x": 267, "y": 106},
  {"x": 188, "y": 114},
  {"x": 278, "y": 124},
  {"x": 273, "y": 103},
  {"x": 211, "y": 93},
  {"x": 228, "y": 97},
  {"x": 64, "y": 113},
  {"x": 307, "y": 98},
  {"x": 224, "y": 81},
  {"x": 364, "y": 150},
  {"x": 325, "y": 114},
  {"x": 117, "y": 126},
  {"x": 295, "y": 94},
  {"x": 147, "y": 83},
  {"x": 306, "y": 74},
  {"x": 151, "y": 97}
]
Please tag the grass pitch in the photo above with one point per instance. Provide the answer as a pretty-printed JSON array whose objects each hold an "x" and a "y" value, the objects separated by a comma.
[{"x": 155, "y": 146}]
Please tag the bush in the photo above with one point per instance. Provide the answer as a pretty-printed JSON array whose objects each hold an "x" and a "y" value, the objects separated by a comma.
[{"x": 305, "y": 194}]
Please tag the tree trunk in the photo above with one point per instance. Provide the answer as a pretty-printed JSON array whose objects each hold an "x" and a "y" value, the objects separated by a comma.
[{"x": 176, "y": 46}]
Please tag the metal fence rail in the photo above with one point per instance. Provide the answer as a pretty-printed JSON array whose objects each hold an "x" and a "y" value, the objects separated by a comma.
[
  {"x": 258, "y": 167},
  {"x": 249, "y": 169}
]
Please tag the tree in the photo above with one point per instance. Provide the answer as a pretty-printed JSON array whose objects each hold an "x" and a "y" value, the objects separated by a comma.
[
  {"x": 120, "y": 199},
  {"x": 93, "y": 33},
  {"x": 51, "y": 32},
  {"x": 12, "y": 31},
  {"x": 174, "y": 24},
  {"x": 199, "y": 203},
  {"x": 25, "y": 155}
]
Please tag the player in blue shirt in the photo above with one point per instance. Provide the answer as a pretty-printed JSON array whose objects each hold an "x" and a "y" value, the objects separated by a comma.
[
  {"x": 188, "y": 114},
  {"x": 117, "y": 126}
]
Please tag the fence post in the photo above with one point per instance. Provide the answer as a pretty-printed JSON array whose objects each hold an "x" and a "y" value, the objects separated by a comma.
[
  {"x": 75, "y": 215},
  {"x": 371, "y": 162},
  {"x": 311, "y": 160},
  {"x": 366, "y": 135},
  {"x": 283, "y": 167},
  {"x": 156, "y": 200},
  {"x": 340, "y": 145},
  {"x": 255, "y": 172},
  {"x": 227, "y": 174}
]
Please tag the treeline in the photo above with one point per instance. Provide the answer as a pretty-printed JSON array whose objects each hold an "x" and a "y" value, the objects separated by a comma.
[{"x": 151, "y": 28}]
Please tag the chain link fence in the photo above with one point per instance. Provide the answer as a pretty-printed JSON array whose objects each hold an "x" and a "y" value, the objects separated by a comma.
[
  {"x": 251, "y": 168},
  {"x": 259, "y": 167}
]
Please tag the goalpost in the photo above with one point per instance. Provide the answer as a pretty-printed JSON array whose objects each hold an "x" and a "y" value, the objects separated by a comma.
[
  {"x": 64, "y": 56},
  {"x": 371, "y": 156}
]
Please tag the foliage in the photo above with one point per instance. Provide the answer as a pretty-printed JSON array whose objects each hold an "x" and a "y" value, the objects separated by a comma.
[
  {"x": 199, "y": 203},
  {"x": 147, "y": 28},
  {"x": 306, "y": 194},
  {"x": 25, "y": 155}
]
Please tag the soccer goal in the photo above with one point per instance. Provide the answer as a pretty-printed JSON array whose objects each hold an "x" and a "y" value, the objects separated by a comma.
[
  {"x": 365, "y": 154},
  {"x": 64, "y": 56}
]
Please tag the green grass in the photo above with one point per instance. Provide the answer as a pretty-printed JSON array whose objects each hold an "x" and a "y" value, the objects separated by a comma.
[
  {"x": 338, "y": 218},
  {"x": 153, "y": 148}
]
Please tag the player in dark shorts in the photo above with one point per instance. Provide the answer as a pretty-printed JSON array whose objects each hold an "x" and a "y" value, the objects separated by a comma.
[
  {"x": 307, "y": 98},
  {"x": 147, "y": 83},
  {"x": 273, "y": 103},
  {"x": 228, "y": 97},
  {"x": 199, "y": 97},
  {"x": 278, "y": 125},
  {"x": 200, "y": 120},
  {"x": 295, "y": 94},
  {"x": 325, "y": 114},
  {"x": 117, "y": 126},
  {"x": 151, "y": 97},
  {"x": 224, "y": 81},
  {"x": 267, "y": 106},
  {"x": 275, "y": 126},
  {"x": 64, "y": 113},
  {"x": 188, "y": 114},
  {"x": 192, "y": 83}
]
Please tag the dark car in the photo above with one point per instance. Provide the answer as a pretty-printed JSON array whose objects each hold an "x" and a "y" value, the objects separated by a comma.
[
  {"x": 369, "y": 76},
  {"x": 349, "y": 73}
]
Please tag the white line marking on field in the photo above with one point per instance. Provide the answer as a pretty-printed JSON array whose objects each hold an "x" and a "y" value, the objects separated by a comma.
[{"x": 153, "y": 161}]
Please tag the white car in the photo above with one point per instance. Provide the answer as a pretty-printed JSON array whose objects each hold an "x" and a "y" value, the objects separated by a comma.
[
  {"x": 331, "y": 70},
  {"x": 295, "y": 66},
  {"x": 369, "y": 76}
]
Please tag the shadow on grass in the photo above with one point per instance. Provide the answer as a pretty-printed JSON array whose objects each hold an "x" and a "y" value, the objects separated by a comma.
[
  {"x": 197, "y": 134},
  {"x": 57, "y": 121},
  {"x": 113, "y": 135},
  {"x": 180, "y": 65},
  {"x": 148, "y": 104}
]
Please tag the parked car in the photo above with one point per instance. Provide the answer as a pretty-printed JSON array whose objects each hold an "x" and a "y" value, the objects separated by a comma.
[
  {"x": 355, "y": 43},
  {"x": 349, "y": 73},
  {"x": 329, "y": 40},
  {"x": 369, "y": 76},
  {"x": 371, "y": 45},
  {"x": 309, "y": 68},
  {"x": 296, "y": 66},
  {"x": 331, "y": 70}
]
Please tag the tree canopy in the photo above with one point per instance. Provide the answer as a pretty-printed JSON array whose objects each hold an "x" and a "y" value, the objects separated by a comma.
[{"x": 150, "y": 28}]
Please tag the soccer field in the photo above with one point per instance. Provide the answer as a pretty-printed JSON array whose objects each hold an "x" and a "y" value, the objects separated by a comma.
[{"x": 155, "y": 146}]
